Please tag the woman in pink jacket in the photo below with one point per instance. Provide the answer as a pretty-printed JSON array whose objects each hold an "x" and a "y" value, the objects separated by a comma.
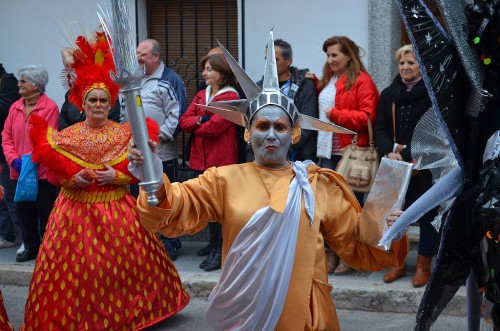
[
  {"x": 214, "y": 140},
  {"x": 15, "y": 143}
]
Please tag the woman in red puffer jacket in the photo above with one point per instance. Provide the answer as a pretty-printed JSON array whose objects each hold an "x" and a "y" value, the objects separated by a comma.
[{"x": 347, "y": 97}]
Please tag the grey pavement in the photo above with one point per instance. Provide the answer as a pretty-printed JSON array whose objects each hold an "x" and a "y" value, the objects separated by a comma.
[
  {"x": 192, "y": 317},
  {"x": 355, "y": 291}
]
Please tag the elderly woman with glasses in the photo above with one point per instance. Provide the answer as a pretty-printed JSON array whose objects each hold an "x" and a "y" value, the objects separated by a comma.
[{"x": 16, "y": 143}]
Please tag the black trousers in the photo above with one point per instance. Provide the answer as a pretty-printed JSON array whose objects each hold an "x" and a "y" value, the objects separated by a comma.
[{"x": 34, "y": 215}]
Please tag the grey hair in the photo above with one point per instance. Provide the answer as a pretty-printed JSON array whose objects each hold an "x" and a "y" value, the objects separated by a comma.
[
  {"x": 404, "y": 50},
  {"x": 155, "y": 46},
  {"x": 35, "y": 74}
]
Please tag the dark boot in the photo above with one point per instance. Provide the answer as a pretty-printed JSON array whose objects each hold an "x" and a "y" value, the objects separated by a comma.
[
  {"x": 423, "y": 272},
  {"x": 209, "y": 258},
  {"x": 205, "y": 251},
  {"x": 211, "y": 243},
  {"x": 216, "y": 261},
  {"x": 212, "y": 232}
]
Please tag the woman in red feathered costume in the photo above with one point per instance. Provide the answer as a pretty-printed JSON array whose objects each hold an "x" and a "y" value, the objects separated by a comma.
[{"x": 97, "y": 269}]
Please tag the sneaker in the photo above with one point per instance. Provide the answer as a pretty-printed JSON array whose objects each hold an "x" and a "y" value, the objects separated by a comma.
[
  {"x": 20, "y": 250},
  {"x": 172, "y": 245},
  {"x": 26, "y": 255},
  {"x": 5, "y": 243}
]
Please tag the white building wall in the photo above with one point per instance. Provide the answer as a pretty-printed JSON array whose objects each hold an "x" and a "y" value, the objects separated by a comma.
[
  {"x": 34, "y": 32},
  {"x": 305, "y": 25}
]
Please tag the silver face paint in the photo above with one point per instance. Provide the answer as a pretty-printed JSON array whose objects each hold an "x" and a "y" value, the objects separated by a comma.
[{"x": 271, "y": 137}]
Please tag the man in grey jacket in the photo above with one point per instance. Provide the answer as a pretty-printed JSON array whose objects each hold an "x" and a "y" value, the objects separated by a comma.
[{"x": 164, "y": 100}]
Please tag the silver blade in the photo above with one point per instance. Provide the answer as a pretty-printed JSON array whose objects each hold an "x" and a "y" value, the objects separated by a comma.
[
  {"x": 239, "y": 105},
  {"x": 230, "y": 115},
  {"x": 247, "y": 84},
  {"x": 311, "y": 123},
  {"x": 271, "y": 72}
]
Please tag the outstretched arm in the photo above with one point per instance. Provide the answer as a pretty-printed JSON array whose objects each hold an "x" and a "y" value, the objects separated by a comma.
[{"x": 184, "y": 208}]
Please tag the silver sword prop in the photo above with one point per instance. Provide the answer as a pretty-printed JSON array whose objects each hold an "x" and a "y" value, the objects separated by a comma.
[{"x": 129, "y": 76}]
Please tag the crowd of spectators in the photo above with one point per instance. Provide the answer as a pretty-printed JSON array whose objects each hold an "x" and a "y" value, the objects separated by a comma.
[{"x": 345, "y": 95}]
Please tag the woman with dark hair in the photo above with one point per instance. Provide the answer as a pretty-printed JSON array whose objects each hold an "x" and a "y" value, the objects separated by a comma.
[
  {"x": 347, "y": 97},
  {"x": 33, "y": 215},
  {"x": 214, "y": 141}
]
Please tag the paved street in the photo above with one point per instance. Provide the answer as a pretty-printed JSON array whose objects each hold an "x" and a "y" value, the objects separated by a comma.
[
  {"x": 365, "y": 302},
  {"x": 191, "y": 318}
]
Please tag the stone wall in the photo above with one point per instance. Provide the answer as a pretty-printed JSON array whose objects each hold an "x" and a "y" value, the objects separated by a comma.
[{"x": 384, "y": 39}]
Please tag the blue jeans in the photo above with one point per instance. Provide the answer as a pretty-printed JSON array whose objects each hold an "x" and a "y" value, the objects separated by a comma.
[{"x": 9, "y": 219}]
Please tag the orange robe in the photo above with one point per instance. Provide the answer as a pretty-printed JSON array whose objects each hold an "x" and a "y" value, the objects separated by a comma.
[
  {"x": 97, "y": 268},
  {"x": 230, "y": 195}
]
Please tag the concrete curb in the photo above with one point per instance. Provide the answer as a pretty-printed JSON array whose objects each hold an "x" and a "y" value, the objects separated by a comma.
[
  {"x": 349, "y": 292},
  {"x": 355, "y": 291},
  {"x": 16, "y": 274},
  {"x": 372, "y": 294}
]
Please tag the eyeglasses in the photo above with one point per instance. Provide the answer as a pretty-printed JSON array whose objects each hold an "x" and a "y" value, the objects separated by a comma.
[
  {"x": 23, "y": 81},
  {"x": 93, "y": 101}
]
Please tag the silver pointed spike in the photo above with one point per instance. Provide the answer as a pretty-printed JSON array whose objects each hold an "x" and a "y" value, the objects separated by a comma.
[
  {"x": 230, "y": 115},
  {"x": 271, "y": 72},
  {"x": 311, "y": 123},
  {"x": 247, "y": 84},
  {"x": 239, "y": 105}
]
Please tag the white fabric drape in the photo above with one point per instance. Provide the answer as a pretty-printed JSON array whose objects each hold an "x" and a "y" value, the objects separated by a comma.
[
  {"x": 254, "y": 281},
  {"x": 326, "y": 100}
]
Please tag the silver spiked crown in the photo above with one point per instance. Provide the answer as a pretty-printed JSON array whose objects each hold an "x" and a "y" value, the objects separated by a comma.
[{"x": 242, "y": 111}]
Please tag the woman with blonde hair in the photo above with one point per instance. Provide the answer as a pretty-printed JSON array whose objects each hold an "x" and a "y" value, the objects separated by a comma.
[{"x": 400, "y": 108}]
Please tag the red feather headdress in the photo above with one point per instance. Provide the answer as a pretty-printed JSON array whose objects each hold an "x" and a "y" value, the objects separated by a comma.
[{"x": 92, "y": 63}]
